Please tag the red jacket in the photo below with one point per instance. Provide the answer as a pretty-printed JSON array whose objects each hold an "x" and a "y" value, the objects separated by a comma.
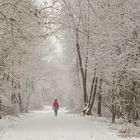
[{"x": 55, "y": 105}]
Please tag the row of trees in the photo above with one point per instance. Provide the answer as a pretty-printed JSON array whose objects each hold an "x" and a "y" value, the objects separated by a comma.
[
  {"x": 107, "y": 44},
  {"x": 21, "y": 31}
]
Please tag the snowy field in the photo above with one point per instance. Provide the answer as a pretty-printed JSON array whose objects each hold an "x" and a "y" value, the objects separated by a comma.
[{"x": 42, "y": 125}]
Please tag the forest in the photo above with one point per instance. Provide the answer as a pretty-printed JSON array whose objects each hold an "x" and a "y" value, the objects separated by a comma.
[{"x": 85, "y": 53}]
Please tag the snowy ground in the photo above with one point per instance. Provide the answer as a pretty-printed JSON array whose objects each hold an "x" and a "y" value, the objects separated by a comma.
[{"x": 42, "y": 125}]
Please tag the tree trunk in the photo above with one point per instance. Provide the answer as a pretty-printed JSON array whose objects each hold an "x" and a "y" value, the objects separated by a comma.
[
  {"x": 28, "y": 92},
  {"x": 0, "y": 109},
  {"x": 89, "y": 112},
  {"x": 19, "y": 98},
  {"x": 20, "y": 102},
  {"x": 31, "y": 90},
  {"x": 91, "y": 91},
  {"x": 43, "y": 95},
  {"x": 85, "y": 80},
  {"x": 113, "y": 117},
  {"x": 81, "y": 70},
  {"x": 100, "y": 99},
  {"x": 27, "y": 104},
  {"x": 99, "y": 105}
]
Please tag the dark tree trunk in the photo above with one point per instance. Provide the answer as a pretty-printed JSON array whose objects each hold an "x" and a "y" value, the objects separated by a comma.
[
  {"x": 85, "y": 80},
  {"x": 19, "y": 99},
  {"x": 100, "y": 99},
  {"x": 113, "y": 117},
  {"x": 89, "y": 112},
  {"x": 91, "y": 91},
  {"x": 82, "y": 71},
  {"x": 0, "y": 109},
  {"x": 99, "y": 105},
  {"x": 20, "y": 102}
]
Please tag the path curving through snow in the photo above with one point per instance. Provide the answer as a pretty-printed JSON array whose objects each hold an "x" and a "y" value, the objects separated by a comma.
[{"x": 43, "y": 125}]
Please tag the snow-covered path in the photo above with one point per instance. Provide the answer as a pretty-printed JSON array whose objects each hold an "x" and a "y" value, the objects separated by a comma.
[{"x": 42, "y": 125}]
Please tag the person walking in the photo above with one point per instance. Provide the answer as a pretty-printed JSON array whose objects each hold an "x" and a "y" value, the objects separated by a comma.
[{"x": 55, "y": 107}]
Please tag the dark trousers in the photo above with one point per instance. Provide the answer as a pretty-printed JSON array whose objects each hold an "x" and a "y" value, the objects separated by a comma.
[{"x": 55, "y": 112}]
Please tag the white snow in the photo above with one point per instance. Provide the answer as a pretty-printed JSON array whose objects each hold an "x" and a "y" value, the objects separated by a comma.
[{"x": 43, "y": 125}]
